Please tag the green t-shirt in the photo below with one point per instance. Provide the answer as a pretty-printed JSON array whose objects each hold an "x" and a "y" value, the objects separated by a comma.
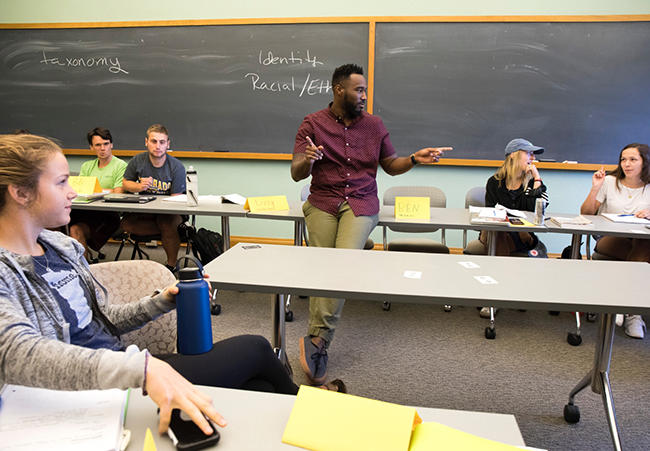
[{"x": 110, "y": 176}]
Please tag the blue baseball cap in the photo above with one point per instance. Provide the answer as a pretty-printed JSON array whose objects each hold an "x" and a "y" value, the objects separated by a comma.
[{"x": 523, "y": 144}]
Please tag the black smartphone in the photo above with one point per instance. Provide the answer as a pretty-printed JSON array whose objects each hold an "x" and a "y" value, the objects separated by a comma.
[
  {"x": 187, "y": 436},
  {"x": 515, "y": 221}
]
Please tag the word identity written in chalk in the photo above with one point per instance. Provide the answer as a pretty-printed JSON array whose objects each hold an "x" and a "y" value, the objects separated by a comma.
[{"x": 309, "y": 85}]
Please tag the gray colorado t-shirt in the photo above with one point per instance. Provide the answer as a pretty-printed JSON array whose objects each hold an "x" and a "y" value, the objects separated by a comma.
[{"x": 167, "y": 179}]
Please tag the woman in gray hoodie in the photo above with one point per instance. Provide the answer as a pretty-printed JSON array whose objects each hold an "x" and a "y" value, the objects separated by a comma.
[{"x": 58, "y": 332}]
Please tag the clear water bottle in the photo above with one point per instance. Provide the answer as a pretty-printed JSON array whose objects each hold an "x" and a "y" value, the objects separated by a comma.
[
  {"x": 192, "y": 187},
  {"x": 193, "y": 320},
  {"x": 540, "y": 209}
]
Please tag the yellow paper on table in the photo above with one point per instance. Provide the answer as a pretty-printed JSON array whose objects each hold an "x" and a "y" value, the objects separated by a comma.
[
  {"x": 325, "y": 420},
  {"x": 412, "y": 207},
  {"x": 266, "y": 203},
  {"x": 524, "y": 223},
  {"x": 427, "y": 436},
  {"x": 84, "y": 185}
]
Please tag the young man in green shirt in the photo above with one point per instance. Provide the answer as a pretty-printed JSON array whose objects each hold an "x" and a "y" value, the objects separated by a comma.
[{"x": 94, "y": 228}]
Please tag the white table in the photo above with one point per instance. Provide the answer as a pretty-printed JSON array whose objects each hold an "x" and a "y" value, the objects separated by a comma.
[
  {"x": 160, "y": 206},
  {"x": 571, "y": 285},
  {"x": 256, "y": 421}
]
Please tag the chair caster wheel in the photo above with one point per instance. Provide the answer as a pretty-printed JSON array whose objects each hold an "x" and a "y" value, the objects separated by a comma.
[
  {"x": 215, "y": 309},
  {"x": 573, "y": 339},
  {"x": 386, "y": 306},
  {"x": 553, "y": 313},
  {"x": 571, "y": 413},
  {"x": 288, "y": 316},
  {"x": 490, "y": 334},
  {"x": 591, "y": 317},
  {"x": 447, "y": 308}
]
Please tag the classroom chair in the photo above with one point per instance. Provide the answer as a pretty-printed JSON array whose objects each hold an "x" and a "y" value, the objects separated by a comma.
[
  {"x": 130, "y": 280},
  {"x": 437, "y": 198},
  {"x": 137, "y": 240},
  {"x": 475, "y": 197}
]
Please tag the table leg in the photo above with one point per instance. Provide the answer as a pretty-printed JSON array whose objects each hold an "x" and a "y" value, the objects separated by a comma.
[
  {"x": 225, "y": 232},
  {"x": 278, "y": 331},
  {"x": 490, "y": 331},
  {"x": 575, "y": 339},
  {"x": 598, "y": 377},
  {"x": 297, "y": 233}
]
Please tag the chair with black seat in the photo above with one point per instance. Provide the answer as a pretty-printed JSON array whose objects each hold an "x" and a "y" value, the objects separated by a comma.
[
  {"x": 437, "y": 198},
  {"x": 137, "y": 240}
]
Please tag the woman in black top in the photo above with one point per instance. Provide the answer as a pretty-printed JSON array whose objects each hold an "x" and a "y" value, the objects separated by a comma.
[{"x": 517, "y": 185}]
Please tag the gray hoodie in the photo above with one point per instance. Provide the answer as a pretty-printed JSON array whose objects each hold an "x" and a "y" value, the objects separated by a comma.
[{"x": 35, "y": 347}]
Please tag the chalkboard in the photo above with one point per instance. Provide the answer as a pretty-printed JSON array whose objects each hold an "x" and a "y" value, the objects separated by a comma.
[
  {"x": 581, "y": 90},
  {"x": 242, "y": 88}
]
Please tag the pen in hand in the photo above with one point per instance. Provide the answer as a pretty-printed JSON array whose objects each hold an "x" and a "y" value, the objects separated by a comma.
[{"x": 317, "y": 153}]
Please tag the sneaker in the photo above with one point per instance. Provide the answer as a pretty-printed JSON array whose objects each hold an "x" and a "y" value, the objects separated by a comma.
[
  {"x": 619, "y": 319},
  {"x": 313, "y": 360},
  {"x": 634, "y": 326},
  {"x": 485, "y": 312},
  {"x": 171, "y": 268}
]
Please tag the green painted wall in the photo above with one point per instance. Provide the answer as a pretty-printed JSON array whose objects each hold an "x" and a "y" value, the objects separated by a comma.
[{"x": 567, "y": 189}]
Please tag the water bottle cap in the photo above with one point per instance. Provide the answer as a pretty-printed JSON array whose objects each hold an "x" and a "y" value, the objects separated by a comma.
[
  {"x": 189, "y": 274},
  {"x": 191, "y": 169}
]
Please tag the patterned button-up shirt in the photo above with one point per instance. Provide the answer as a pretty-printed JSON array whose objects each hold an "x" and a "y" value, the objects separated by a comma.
[{"x": 348, "y": 169}]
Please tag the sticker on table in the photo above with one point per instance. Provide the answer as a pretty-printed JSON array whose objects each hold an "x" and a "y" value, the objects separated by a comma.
[
  {"x": 469, "y": 265},
  {"x": 413, "y": 274},
  {"x": 486, "y": 280}
]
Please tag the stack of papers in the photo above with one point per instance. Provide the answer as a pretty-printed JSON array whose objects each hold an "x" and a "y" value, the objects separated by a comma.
[
  {"x": 629, "y": 219},
  {"x": 571, "y": 222},
  {"x": 36, "y": 418},
  {"x": 210, "y": 199}
]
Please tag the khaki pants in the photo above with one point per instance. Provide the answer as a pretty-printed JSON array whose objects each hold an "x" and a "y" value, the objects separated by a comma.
[{"x": 343, "y": 230}]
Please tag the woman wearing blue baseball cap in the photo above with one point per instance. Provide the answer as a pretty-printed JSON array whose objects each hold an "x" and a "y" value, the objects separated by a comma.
[{"x": 517, "y": 185}]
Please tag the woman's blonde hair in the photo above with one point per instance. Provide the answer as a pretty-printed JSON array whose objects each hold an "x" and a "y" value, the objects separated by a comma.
[
  {"x": 22, "y": 161},
  {"x": 510, "y": 171}
]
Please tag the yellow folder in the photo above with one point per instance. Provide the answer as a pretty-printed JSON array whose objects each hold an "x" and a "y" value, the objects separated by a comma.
[
  {"x": 266, "y": 203},
  {"x": 412, "y": 207},
  {"x": 84, "y": 185},
  {"x": 428, "y": 436},
  {"x": 324, "y": 420}
]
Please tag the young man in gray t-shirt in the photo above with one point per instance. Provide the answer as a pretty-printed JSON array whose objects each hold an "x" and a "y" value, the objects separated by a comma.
[{"x": 155, "y": 172}]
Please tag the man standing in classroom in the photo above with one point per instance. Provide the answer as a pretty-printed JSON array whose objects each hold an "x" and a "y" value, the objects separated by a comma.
[
  {"x": 93, "y": 228},
  {"x": 341, "y": 147},
  {"x": 156, "y": 172}
]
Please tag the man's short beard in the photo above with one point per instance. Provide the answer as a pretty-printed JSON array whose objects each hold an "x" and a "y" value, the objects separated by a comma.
[{"x": 350, "y": 108}]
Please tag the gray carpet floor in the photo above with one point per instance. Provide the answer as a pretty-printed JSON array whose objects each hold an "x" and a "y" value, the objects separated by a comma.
[{"x": 420, "y": 355}]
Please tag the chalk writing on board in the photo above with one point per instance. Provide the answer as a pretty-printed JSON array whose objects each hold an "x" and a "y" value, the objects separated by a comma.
[
  {"x": 269, "y": 59},
  {"x": 112, "y": 63},
  {"x": 310, "y": 86}
]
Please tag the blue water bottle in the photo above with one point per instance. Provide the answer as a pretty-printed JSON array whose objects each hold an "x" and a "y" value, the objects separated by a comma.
[{"x": 193, "y": 321}]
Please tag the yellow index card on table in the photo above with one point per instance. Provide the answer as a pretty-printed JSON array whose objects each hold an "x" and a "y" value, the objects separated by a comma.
[
  {"x": 427, "y": 436},
  {"x": 266, "y": 203},
  {"x": 325, "y": 420},
  {"x": 84, "y": 185},
  {"x": 412, "y": 207},
  {"x": 149, "y": 444}
]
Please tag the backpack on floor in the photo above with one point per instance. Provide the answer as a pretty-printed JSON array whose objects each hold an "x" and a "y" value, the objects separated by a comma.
[{"x": 206, "y": 245}]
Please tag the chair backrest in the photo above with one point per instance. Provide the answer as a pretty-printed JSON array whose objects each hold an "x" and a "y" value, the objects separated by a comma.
[
  {"x": 304, "y": 192},
  {"x": 130, "y": 280},
  {"x": 475, "y": 197},
  {"x": 436, "y": 197}
]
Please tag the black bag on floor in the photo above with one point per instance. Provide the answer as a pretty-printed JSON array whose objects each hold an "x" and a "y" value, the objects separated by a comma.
[{"x": 206, "y": 244}]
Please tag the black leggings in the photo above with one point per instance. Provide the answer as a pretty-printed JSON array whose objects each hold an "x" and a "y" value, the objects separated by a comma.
[{"x": 245, "y": 361}]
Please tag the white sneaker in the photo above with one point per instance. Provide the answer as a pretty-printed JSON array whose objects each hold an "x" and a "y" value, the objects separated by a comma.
[
  {"x": 485, "y": 312},
  {"x": 619, "y": 319},
  {"x": 634, "y": 326}
]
